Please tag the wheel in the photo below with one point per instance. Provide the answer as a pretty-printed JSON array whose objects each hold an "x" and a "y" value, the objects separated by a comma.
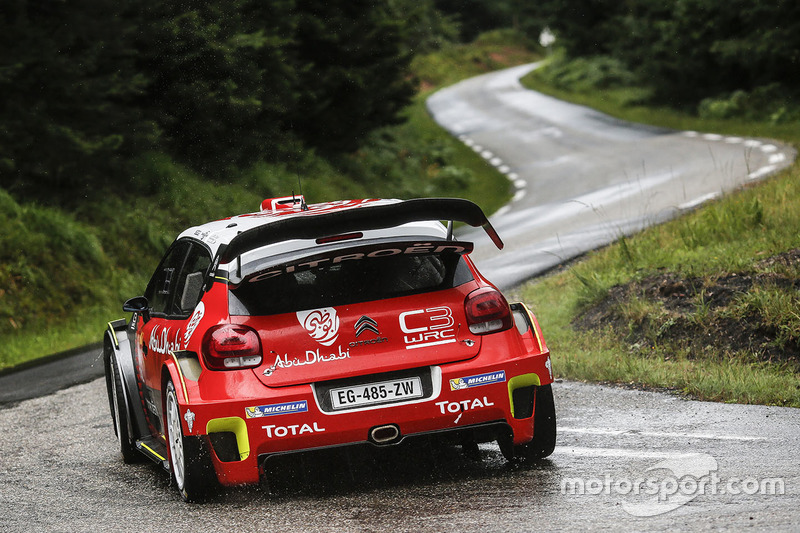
[
  {"x": 544, "y": 430},
  {"x": 119, "y": 412},
  {"x": 189, "y": 462}
]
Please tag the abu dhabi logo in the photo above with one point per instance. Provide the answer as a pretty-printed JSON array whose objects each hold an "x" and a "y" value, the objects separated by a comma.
[
  {"x": 321, "y": 324},
  {"x": 365, "y": 324}
]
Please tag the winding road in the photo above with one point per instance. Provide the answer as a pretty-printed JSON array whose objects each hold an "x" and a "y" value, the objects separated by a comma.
[
  {"x": 624, "y": 460},
  {"x": 582, "y": 178}
]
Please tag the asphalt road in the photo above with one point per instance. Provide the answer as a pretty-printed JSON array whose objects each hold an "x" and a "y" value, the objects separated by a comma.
[
  {"x": 60, "y": 472},
  {"x": 583, "y": 179},
  {"x": 625, "y": 459}
]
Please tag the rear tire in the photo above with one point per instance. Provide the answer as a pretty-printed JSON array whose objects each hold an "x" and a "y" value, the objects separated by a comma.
[
  {"x": 120, "y": 414},
  {"x": 544, "y": 431},
  {"x": 189, "y": 461}
]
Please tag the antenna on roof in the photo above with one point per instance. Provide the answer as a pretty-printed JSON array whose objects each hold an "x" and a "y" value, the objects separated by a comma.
[{"x": 303, "y": 206}]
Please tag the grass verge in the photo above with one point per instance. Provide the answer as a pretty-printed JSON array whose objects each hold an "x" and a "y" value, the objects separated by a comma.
[
  {"x": 706, "y": 304},
  {"x": 64, "y": 273}
]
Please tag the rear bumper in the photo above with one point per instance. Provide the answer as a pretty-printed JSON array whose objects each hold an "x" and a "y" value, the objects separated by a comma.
[
  {"x": 465, "y": 397},
  {"x": 494, "y": 389}
]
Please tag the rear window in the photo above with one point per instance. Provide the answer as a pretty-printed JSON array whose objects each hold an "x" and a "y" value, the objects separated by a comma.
[{"x": 324, "y": 283}]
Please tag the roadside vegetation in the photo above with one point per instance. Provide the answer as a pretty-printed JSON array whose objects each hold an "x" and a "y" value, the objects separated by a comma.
[
  {"x": 707, "y": 305},
  {"x": 122, "y": 125},
  {"x": 69, "y": 260}
]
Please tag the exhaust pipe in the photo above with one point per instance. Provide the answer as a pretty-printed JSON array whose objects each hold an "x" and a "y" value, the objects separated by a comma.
[{"x": 384, "y": 434}]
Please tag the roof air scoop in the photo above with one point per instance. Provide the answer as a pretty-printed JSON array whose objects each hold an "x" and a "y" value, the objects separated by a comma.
[{"x": 293, "y": 202}]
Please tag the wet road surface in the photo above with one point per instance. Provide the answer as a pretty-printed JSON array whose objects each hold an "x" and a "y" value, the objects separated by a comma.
[
  {"x": 60, "y": 471},
  {"x": 625, "y": 459},
  {"x": 583, "y": 179}
]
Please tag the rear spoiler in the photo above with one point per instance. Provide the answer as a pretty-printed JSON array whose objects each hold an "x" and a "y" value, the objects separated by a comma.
[{"x": 309, "y": 225}]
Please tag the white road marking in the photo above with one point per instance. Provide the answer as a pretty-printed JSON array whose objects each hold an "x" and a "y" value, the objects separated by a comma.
[
  {"x": 658, "y": 434},
  {"x": 761, "y": 172},
  {"x": 502, "y": 211},
  {"x": 769, "y": 148},
  {"x": 697, "y": 201},
  {"x": 618, "y": 452}
]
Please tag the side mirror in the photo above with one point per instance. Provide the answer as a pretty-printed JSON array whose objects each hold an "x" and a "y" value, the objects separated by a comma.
[{"x": 138, "y": 304}]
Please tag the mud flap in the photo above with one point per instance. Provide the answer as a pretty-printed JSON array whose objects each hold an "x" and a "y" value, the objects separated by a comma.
[{"x": 121, "y": 351}]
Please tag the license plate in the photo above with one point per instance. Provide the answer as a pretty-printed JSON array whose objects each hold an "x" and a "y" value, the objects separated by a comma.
[{"x": 376, "y": 393}]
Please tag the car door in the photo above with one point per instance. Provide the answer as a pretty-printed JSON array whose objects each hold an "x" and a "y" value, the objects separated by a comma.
[
  {"x": 173, "y": 293},
  {"x": 156, "y": 336}
]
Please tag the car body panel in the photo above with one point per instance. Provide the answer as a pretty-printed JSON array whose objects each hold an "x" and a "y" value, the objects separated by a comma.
[{"x": 406, "y": 363}]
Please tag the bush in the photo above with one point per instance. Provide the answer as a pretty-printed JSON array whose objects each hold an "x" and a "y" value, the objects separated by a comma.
[
  {"x": 587, "y": 73},
  {"x": 771, "y": 103}
]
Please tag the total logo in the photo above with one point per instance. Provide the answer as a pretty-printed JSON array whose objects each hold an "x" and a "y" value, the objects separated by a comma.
[
  {"x": 321, "y": 324},
  {"x": 432, "y": 326},
  {"x": 293, "y": 430},
  {"x": 463, "y": 406}
]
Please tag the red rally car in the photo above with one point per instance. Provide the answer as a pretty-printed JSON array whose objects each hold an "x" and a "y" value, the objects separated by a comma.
[{"x": 300, "y": 326}]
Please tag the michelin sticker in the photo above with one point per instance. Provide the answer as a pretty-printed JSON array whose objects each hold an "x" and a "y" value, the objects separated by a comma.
[
  {"x": 477, "y": 381},
  {"x": 261, "y": 411}
]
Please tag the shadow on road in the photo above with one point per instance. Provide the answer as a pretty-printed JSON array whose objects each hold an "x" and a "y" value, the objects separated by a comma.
[{"x": 359, "y": 470}]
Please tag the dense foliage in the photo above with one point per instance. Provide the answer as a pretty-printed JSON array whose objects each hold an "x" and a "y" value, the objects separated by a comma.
[
  {"x": 741, "y": 56},
  {"x": 69, "y": 258},
  {"x": 218, "y": 85},
  {"x": 223, "y": 85}
]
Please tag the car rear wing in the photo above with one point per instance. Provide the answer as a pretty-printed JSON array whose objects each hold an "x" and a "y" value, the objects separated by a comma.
[{"x": 310, "y": 225}]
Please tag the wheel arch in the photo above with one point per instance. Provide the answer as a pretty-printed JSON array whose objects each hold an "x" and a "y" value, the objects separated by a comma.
[
  {"x": 171, "y": 370},
  {"x": 116, "y": 345}
]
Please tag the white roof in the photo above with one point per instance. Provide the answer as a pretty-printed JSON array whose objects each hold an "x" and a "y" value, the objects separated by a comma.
[{"x": 221, "y": 232}]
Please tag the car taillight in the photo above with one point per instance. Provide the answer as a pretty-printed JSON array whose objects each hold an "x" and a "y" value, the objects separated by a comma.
[
  {"x": 487, "y": 311},
  {"x": 231, "y": 346}
]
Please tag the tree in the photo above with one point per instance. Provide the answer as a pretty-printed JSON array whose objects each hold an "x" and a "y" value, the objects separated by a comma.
[
  {"x": 353, "y": 72},
  {"x": 67, "y": 80},
  {"x": 582, "y": 27},
  {"x": 219, "y": 83}
]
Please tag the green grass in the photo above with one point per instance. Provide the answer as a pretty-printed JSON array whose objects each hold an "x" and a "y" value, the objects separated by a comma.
[
  {"x": 491, "y": 51},
  {"x": 731, "y": 235},
  {"x": 622, "y": 103},
  {"x": 64, "y": 273}
]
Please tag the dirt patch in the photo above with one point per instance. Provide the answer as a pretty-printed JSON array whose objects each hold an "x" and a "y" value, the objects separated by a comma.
[{"x": 698, "y": 315}]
